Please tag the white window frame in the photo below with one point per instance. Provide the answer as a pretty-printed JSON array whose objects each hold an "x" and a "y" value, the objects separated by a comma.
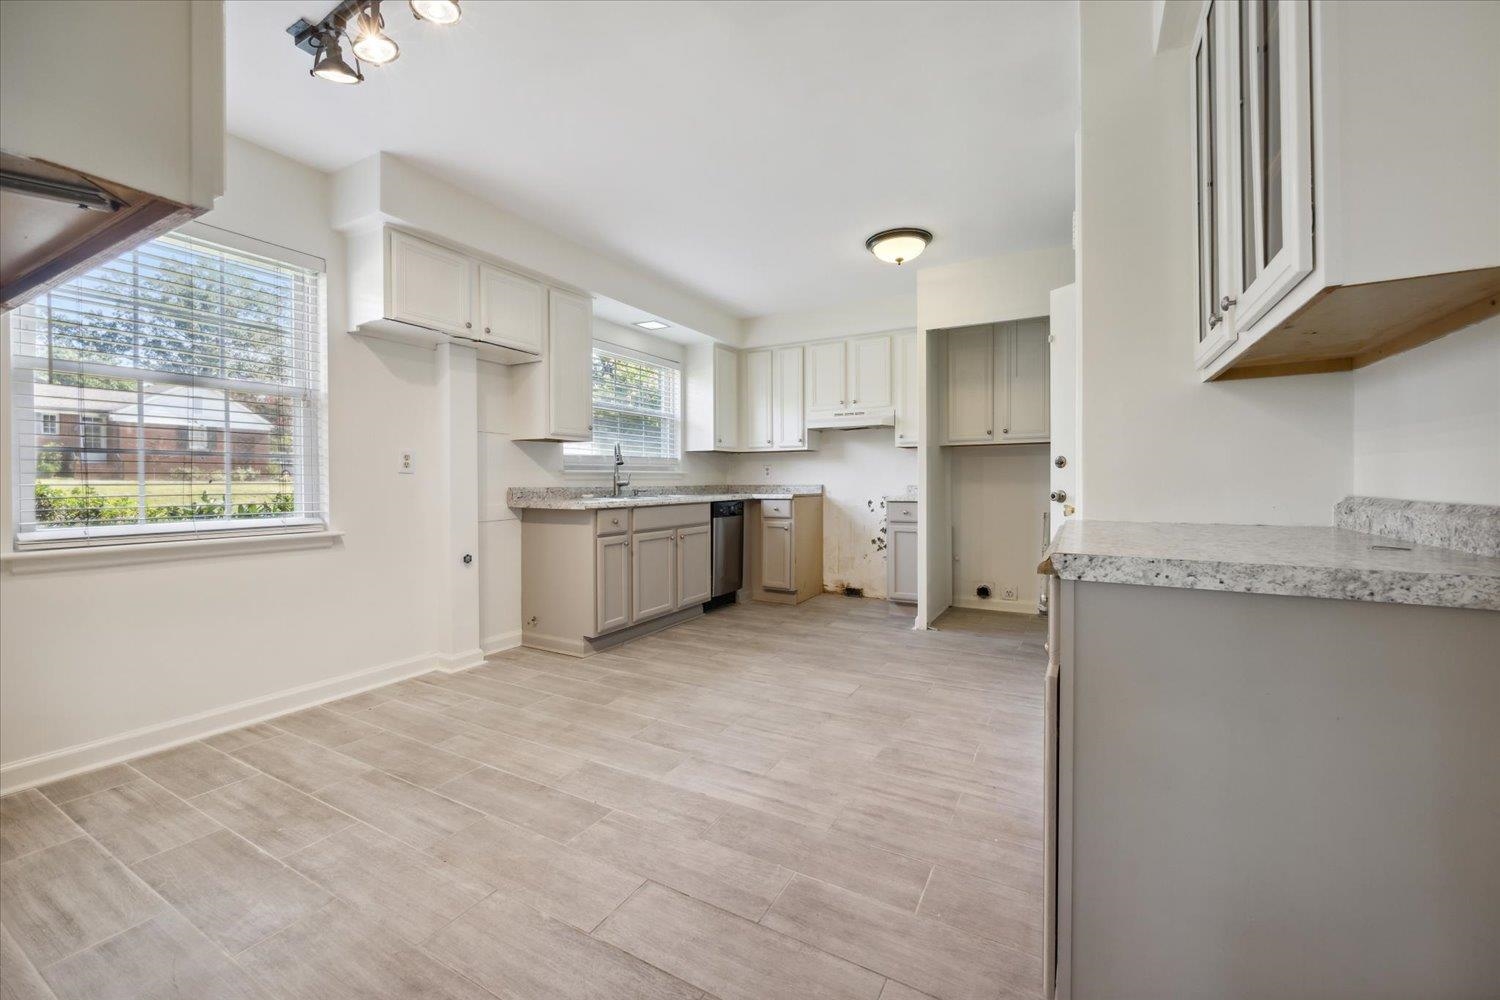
[
  {"x": 48, "y": 424},
  {"x": 88, "y": 421},
  {"x": 311, "y": 515},
  {"x": 198, "y": 437},
  {"x": 575, "y": 463}
]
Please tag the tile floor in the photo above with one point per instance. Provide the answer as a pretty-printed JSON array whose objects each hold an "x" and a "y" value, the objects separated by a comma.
[{"x": 764, "y": 803}]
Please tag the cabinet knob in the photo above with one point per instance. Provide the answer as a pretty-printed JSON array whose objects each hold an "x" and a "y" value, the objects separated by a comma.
[
  {"x": 614, "y": 520},
  {"x": 486, "y": 329},
  {"x": 1227, "y": 302},
  {"x": 468, "y": 326},
  {"x": 852, "y": 401},
  {"x": 1005, "y": 430}
]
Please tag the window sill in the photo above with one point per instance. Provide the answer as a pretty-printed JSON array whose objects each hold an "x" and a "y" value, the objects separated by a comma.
[{"x": 128, "y": 553}]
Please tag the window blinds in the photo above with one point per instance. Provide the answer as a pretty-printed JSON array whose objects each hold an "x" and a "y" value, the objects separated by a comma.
[
  {"x": 177, "y": 389},
  {"x": 637, "y": 405}
]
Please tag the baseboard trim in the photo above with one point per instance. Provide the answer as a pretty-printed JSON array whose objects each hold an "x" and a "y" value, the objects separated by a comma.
[
  {"x": 452, "y": 663},
  {"x": 501, "y": 642},
  {"x": 43, "y": 768},
  {"x": 1008, "y": 607}
]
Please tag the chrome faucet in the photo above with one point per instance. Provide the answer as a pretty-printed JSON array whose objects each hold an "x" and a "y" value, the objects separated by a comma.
[{"x": 618, "y": 478}]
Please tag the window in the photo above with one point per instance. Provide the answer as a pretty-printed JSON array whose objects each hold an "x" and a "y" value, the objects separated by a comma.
[
  {"x": 637, "y": 405},
  {"x": 192, "y": 369}
]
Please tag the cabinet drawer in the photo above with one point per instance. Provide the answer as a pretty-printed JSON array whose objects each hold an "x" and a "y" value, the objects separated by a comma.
[
  {"x": 775, "y": 508},
  {"x": 611, "y": 522},
  {"x": 674, "y": 516},
  {"x": 903, "y": 512}
]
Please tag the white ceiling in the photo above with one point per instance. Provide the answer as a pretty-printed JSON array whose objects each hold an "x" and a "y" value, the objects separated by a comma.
[{"x": 743, "y": 150}]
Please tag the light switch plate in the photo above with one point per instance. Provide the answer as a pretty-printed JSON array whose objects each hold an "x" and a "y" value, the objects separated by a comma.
[{"x": 407, "y": 464}]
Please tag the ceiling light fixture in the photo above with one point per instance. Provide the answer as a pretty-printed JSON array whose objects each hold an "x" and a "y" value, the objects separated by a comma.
[
  {"x": 436, "y": 11},
  {"x": 652, "y": 324},
  {"x": 329, "y": 63},
  {"x": 360, "y": 24},
  {"x": 897, "y": 246},
  {"x": 371, "y": 43}
]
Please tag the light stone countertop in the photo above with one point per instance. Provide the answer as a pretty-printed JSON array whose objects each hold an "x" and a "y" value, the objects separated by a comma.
[
  {"x": 908, "y": 497},
  {"x": 1270, "y": 559},
  {"x": 598, "y": 498}
]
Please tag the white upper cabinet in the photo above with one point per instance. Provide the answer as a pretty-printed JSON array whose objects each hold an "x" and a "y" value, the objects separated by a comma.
[
  {"x": 569, "y": 366},
  {"x": 429, "y": 285},
  {"x": 826, "y": 378},
  {"x": 713, "y": 399},
  {"x": 997, "y": 380},
  {"x": 790, "y": 426},
  {"x": 1345, "y": 164},
  {"x": 411, "y": 289},
  {"x": 512, "y": 309},
  {"x": 908, "y": 378},
  {"x": 870, "y": 372},
  {"x": 726, "y": 398},
  {"x": 971, "y": 385},
  {"x": 758, "y": 395}
]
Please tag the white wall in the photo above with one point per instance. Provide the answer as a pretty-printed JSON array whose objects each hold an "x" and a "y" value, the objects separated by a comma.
[
  {"x": 1427, "y": 422},
  {"x": 504, "y": 463},
  {"x": 847, "y": 319},
  {"x": 857, "y": 469},
  {"x": 102, "y": 654},
  {"x": 999, "y": 497},
  {"x": 1157, "y": 444}
]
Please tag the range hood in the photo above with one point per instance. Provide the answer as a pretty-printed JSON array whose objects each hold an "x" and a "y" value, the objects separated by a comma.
[
  {"x": 853, "y": 418},
  {"x": 60, "y": 223}
]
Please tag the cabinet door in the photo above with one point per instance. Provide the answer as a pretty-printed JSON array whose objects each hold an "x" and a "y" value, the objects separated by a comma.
[
  {"x": 611, "y": 583},
  {"x": 790, "y": 425},
  {"x": 1269, "y": 193},
  {"x": 1210, "y": 169},
  {"x": 429, "y": 285},
  {"x": 570, "y": 366},
  {"x": 653, "y": 571},
  {"x": 908, "y": 389},
  {"x": 870, "y": 371},
  {"x": 901, "y": 563},
  {"x": 757, "y": 389},
  {"x": 825, "y": 378},
  {"x": 777, "y": 567},
  {"x": 1027, "y": 414},
  {"x": 971, "y": 385},
  {"x": 694, "y": 566},
  {"x": 726, "y": 399},
  {"x": 512, "y": 309}
]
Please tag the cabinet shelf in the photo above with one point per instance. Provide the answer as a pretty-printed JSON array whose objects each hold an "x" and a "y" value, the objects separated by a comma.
[{"x": 1345, "y": 327}]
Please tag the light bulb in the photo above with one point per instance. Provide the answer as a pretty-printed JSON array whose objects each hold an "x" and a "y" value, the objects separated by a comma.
[
  {"x": 436, "y": 11},
  {"x": 371, "y": 43},
  {"x": 329, "y": 63}
]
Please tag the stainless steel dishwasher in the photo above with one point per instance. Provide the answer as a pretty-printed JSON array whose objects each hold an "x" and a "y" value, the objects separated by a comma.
[{"x": 728, "y": 520}]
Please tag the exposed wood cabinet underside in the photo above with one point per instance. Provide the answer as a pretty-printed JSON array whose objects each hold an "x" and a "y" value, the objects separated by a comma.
[{"x": 1350, "y": 326}]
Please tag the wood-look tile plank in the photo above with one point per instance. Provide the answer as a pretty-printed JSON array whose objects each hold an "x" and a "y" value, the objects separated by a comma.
[
  {"x": 479, "y": 686},
  {"x": 29, "y": 821},
  {"x": 165, "y": 958},
  {"x": 403, "y": 810},
  {"x": 987, "y": 909},
  {"x": 324, "y": 727},
  {"x": 90, "y": 782},
  {"x": 271, "y": 814},
  {"x": 192, "y": 769},
  {"x": 416, "y": 723},
  {"x": 304, "y": 765},
  {"x": 408, "y": 760},
  {"x": 512, "y": 754},
  {"x": 828, "y": 855},
  {"x": 138, "y": 820},
  {"x": 403, "y": 889},
  {"x": 546, "y": 959},
  {"x": 237, "y": 739},
  {"x": 19, "y": 979},
  {"x": 728, "y": 956},
  {"x": 339, "y": 954},
  {"x": 900, "y": 991},
  {"x": 937, "y": 958},
  {"x": 64, "y": 898},
  {"x": 545, "y": 810},
  {"x": 558, "y": 879},
  {"x": 231, "y": 891},
  {"x": 648, "y": 798},
  {"x": 719, "y": 748},
  {"x": 779, "y": 797}
]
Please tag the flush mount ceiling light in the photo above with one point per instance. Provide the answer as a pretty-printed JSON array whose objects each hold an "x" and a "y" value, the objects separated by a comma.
[
  {"x": 361, "y": 25},
  {"x": 652, "y": 324},
  {"x": 436, "y": 11},
  {"x": 897, "y": 246}
]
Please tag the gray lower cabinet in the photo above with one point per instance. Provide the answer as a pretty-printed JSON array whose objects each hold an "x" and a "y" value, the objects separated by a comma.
[
  {"x": 612, "y": 583},
  {"x": 653, "y": 558},
  {"x": 901, "y": 563},
  {"x": 778, "y": 568},
  {"x": 694, "y": 566}
]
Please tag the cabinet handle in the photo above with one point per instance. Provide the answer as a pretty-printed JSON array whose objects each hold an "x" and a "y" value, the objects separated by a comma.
[{"x": 468, "y": 326}]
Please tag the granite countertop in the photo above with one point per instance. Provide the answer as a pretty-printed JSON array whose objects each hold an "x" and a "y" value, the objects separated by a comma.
[
  {"x": 1270, "y": 559},
  {"x": 909, "y": 496},
  {"x": 598, "y": 498}
]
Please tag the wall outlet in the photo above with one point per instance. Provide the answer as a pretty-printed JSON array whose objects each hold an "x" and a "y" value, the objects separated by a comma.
[
  {"x": 407, "y": 464},
  {"x": 1009, "y": 593},
  {"x": 767, "y": 470}
]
